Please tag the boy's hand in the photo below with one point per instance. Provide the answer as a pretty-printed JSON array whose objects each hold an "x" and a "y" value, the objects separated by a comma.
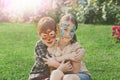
[
  {"x": 51, "y": 61},
  {"x": 65, "y": 67}
]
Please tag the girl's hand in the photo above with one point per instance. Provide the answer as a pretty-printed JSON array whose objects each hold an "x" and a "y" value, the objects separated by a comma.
[
  {"x": 65, "y": 67},
  {"x": 76, "y": 56},
  {"x": 79, "y": 55}
]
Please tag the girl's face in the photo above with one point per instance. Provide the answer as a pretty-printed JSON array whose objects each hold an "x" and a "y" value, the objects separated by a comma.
[
  {"x": 67, "y": 30},
  {"x": 48, "y": 37}
]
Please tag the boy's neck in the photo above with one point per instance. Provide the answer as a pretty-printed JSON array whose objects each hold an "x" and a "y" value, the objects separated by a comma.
[{"x": 51, "y": 49}]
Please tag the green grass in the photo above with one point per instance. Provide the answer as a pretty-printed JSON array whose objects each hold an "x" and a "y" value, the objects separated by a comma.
[{"x": 17, "y": 43}]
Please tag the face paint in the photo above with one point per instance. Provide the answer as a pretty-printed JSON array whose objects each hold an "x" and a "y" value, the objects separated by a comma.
[
  {"x": 62, "y": 28},
  {"x": 72, "y": 31},
  {"x": 48, "y": 35}
]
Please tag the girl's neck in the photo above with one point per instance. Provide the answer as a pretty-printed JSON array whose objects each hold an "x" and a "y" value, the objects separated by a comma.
[{"x": 62, "y": 43}]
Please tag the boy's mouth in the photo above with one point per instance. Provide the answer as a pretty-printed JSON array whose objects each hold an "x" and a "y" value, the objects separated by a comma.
[{"x": 49, "y": 42}]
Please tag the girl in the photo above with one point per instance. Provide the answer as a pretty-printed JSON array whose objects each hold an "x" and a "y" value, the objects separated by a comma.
[
  {"x": 47, "y": 34},
  {"x": 68, "y": 44}
]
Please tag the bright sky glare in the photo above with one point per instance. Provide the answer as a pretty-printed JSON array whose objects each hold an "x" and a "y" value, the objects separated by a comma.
[{"x": 25, "y": 5}]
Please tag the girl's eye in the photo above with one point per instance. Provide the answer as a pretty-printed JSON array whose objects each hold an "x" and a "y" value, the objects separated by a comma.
[{"x": 65, "y": 29}]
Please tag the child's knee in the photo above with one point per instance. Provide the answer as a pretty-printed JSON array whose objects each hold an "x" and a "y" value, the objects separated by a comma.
[
  {"x": 56, "y": 75},
  {"x": 71, "y": 77},
  {"x": 67, "y": 77},
  {"x": 57, "y": 72}
]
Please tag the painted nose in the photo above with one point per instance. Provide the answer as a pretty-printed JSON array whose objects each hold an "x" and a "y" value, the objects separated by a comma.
[{"x": 48, "y": 39}]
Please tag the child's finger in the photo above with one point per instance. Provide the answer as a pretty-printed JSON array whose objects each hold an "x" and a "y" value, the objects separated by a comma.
[
  {"x": 46, "y": 63},
  {"x": 78, "y": 50},
  {"x": 44, "y": 59},
  {"x": 53, "y": 56},
  {"x": 68, "y": 62},
  {"x": 62, "y": 62},
  {"x": 70, "y": 68},
  {"x": 47, "y": 56},
  {"x": 77, "y": 55}
]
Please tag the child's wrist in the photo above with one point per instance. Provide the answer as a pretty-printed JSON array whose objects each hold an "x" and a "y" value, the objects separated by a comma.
[{"x": 56, "y": 59}]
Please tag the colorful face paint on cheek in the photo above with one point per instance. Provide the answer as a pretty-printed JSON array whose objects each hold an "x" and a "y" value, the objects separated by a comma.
[
  {"x": 72, "y": 34},
  {"x": 62, "y": 28},
  {"x": 72, "y": 31}
]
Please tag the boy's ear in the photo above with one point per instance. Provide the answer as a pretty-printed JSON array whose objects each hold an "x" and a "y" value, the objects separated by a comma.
[{"x": 57, "y": 30}]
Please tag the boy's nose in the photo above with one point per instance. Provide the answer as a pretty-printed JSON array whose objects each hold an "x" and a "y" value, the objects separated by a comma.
[{"x": 49, "y": 39}]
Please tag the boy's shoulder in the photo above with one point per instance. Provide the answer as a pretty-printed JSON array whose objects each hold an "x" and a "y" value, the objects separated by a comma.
[{"x": 40, "y": 43}]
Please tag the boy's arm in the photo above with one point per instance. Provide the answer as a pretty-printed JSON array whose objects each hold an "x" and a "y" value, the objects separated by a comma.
[{"x": 40, "y": 69}]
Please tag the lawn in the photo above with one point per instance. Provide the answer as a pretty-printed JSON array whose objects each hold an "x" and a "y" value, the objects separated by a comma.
[{"x": 17, "y": 43}]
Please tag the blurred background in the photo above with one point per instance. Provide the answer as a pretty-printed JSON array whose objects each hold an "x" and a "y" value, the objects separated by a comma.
[
  {"x": 86, "y": 11},
  {"x": 98, "y": 20}
]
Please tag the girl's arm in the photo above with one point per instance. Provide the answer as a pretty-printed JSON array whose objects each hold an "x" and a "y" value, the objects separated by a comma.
[{"x": 77, "y": 53}]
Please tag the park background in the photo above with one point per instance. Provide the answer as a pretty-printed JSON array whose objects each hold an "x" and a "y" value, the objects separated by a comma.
[{"x": 18, "y": 34}]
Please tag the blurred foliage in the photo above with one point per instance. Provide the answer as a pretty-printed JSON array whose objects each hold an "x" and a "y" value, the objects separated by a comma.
[
  {"x": 93, "y": 12},
  {"x": 97, "y": 12}
]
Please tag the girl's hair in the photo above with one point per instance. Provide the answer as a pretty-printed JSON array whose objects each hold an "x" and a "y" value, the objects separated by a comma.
[
  {"x": 71, "y": 18},
  {"x": 46, "y": 23}
]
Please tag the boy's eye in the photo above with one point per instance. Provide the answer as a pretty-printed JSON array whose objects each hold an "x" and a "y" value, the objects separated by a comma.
[
  {"x": 43, "y": 35},
  {"x": 52, "y": 33}
]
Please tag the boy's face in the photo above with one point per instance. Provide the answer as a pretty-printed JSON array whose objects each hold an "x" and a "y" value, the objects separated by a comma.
[
  {"x": 67, "y": 30},
  {"x": 48, "y": 37}
]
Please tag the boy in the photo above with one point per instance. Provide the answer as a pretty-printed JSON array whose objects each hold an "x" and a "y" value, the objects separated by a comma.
[{"x": 47, "y": 31}]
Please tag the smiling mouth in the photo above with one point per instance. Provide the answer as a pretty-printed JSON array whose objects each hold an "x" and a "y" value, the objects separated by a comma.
[{"x": 49, "y": 42}]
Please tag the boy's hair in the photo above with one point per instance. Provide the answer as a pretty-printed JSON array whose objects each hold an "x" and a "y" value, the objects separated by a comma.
[
  {"x": 71, "y": 18},
  {"x": 46, "y": 23}
]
